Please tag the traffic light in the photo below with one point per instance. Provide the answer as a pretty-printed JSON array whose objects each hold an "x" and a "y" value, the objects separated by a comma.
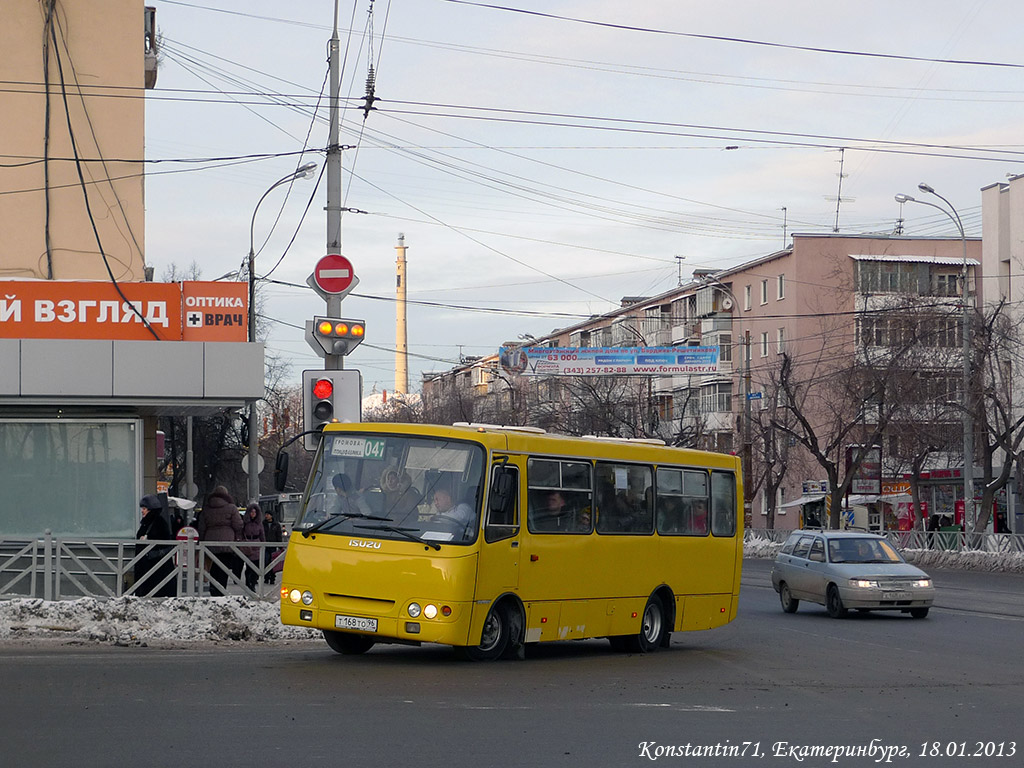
[
  {"x": 338, "y": 336},
  {"x": 329, "y": 396}
]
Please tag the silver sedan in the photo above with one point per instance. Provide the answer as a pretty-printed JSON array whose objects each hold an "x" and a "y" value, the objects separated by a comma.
[{"x": 849, "y": 569}]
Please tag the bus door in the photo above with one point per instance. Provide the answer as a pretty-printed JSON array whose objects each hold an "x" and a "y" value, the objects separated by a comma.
[{"x": 500, "y": 550}]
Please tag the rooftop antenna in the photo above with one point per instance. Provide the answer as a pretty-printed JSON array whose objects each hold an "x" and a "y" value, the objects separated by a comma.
[
  {"x": 679, "y": 270},
  {"x": 839, "y": 194},
  {"x": 785, "y": 215},
  {"x": 371, "y": 75}
]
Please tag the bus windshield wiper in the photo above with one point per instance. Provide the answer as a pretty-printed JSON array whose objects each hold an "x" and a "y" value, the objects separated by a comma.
[
  {"x": 401, "y": 532},
  {"x": 339, "y": 517}
]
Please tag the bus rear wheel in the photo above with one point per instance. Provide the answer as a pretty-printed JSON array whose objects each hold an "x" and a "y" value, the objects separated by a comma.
[
  {"x": 495, "y": 639},
  {"x": 349, "y": 645},
  {"x": 652, "y": 628}
]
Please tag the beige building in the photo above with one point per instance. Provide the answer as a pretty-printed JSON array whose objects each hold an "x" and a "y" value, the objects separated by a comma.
[
  {"x": 73, "y": 139},
  {"x": 91, "y": 352}
]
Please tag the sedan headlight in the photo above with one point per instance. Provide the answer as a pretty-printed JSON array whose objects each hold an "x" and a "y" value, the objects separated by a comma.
[
  {"x": 864, "y": 583},
  {"x": 921, "y": 583}
]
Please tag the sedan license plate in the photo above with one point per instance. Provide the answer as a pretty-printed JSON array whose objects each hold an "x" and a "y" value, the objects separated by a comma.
[
  {"x": 896, "y": 596},
  {"x": 355, "y": 622}
]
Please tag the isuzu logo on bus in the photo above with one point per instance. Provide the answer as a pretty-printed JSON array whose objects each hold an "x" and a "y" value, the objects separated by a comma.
[{"x": 364, "y": 544}]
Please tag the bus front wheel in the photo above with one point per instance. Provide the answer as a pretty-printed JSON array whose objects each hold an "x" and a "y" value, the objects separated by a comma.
[
  {"x": 495, "y": 639},
  {"x": 652, "y": 628},
  {"x": 349, "y": 645}
]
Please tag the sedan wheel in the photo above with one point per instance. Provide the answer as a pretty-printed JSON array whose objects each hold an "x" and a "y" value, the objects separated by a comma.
[
  {"x": 919, "y": 613},
  {"x": 834, "y": 603},
  {"x": 789, "y": 603}
]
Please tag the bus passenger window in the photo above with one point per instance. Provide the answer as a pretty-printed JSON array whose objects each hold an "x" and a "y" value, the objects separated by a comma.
[
  {"x": 723, "y": 504},
  {"x": 558, "y": 496},
  {"x": 625, "y": 501},
  {"x": 682, "y": 502}
]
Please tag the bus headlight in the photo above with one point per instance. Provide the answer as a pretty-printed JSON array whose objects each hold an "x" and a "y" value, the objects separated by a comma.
[
  {"x": 414, "y": 610},
  {"x": 307, "y": 598},
  {"x": 295, "y": 595},
  {"x": 430, "y": 611}
]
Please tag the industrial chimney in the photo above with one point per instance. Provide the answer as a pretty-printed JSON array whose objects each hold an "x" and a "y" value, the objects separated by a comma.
[{"x": 401, "y": 331}]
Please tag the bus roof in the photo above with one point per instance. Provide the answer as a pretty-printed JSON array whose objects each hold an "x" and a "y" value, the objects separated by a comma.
[{"x": 536, "y": 441}]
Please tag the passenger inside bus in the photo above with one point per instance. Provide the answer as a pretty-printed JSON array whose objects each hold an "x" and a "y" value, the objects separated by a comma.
[
  {"x": 348, "y": 500},
  {"x": 456, "y": 517}
]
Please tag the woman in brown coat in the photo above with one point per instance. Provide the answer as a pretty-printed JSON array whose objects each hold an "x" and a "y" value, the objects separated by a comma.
[{"x": 220, "y": 521}]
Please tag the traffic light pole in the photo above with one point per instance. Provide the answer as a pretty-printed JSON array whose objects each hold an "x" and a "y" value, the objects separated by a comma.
[
  {"x": 334, "y": 362},
  {"x": 333, "y": 164}
]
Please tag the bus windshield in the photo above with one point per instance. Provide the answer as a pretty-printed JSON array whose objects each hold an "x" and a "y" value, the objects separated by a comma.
[{"x": 395, "y": 487}]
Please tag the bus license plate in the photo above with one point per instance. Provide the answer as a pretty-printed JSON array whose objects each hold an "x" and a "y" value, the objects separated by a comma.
[{"x": 355, "y": 622}]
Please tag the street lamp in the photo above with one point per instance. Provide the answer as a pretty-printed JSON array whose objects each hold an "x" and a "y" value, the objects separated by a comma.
[
  {"x": 967, "y": 417},
  {"x": 302, "y": 172}
]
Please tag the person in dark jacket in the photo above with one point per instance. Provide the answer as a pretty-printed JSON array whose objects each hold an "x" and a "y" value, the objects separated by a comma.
[
  {"x": 271, "y": 532},
  {"x": 153, "y": 528},
  {"x": 252, "y": 530},
  {"x": 220, "y": 521}
]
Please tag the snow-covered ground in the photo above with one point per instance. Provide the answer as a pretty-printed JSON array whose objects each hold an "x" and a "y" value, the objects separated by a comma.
[
  {"x": 176, "y": 621},
  {"x": 146, "y": 621}
]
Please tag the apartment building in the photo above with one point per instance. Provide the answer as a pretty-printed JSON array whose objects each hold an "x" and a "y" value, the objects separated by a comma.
[{"x": 820, "y": 303}]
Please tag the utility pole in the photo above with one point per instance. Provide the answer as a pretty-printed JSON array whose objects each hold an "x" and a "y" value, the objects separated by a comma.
[
  {"x": 334, "y": 362},
  {"x": 747, "y": 447}
]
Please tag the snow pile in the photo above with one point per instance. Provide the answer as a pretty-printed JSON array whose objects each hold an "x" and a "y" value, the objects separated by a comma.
[{"x": 145, "y": 621}]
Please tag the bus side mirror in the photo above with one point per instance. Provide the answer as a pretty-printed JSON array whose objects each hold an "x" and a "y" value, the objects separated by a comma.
[
  {"x": 503, "y": 495},
  {"x": 281, "y": 471}
]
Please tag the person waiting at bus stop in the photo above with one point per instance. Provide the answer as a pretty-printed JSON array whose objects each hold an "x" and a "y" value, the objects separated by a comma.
[
  {"x": 153, "y": 528},
  {"x": 220, "y": 521},
  {"x": 271, "y": 532}
]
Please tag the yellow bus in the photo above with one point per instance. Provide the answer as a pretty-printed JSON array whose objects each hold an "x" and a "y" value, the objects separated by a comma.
[{"x": 489, "y": 538}]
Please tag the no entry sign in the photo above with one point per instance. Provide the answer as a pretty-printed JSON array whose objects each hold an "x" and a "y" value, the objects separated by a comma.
[{"x": 333, "y": 274}]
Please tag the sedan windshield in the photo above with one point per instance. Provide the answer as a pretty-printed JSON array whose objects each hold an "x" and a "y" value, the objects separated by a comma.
[
  {"x": 395, "y": 487},
  {"x": 862, "y": 551}
]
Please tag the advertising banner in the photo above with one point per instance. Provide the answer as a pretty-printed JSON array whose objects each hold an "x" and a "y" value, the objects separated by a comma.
[
  {"x": 868, "y": 478},
  {"x": 608, "y": 361},
  {"x": 188, "y": 311}
]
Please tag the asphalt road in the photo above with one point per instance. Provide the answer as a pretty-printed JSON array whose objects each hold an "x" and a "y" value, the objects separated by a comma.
[{"x": 806, "y": 682}]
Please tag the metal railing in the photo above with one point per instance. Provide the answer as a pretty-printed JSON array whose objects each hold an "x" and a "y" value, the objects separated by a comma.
[
  {"x": 936, "y": 541},
  {"x": 59, "y": 568}
]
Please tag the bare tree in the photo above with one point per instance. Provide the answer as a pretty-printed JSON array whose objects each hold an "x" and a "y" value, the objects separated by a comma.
[{"x": 1000, "y": 426}]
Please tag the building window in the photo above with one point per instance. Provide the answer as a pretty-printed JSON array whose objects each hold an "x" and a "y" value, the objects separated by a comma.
[
  {"x": 764, "y": 343},
  {"x": 716, "y": 398},
  {"x": 725, "y": 348},
  {"x": 781, "y": 341},
  {"x": 764, "y": 291},
  {"x": 946, "y": 284},
  {"x": 746, "y": 298},
  {"x": 665, "y": 409},
  {"x": 782, "y": 287},
  {"x": 89, "y": 469}
]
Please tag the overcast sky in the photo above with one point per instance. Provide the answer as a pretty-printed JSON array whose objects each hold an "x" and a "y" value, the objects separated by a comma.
[{"x": 542, "y": 168}]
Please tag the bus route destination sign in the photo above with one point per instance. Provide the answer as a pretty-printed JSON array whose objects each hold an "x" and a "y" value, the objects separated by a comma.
[{"x": 608, "y": 361}]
